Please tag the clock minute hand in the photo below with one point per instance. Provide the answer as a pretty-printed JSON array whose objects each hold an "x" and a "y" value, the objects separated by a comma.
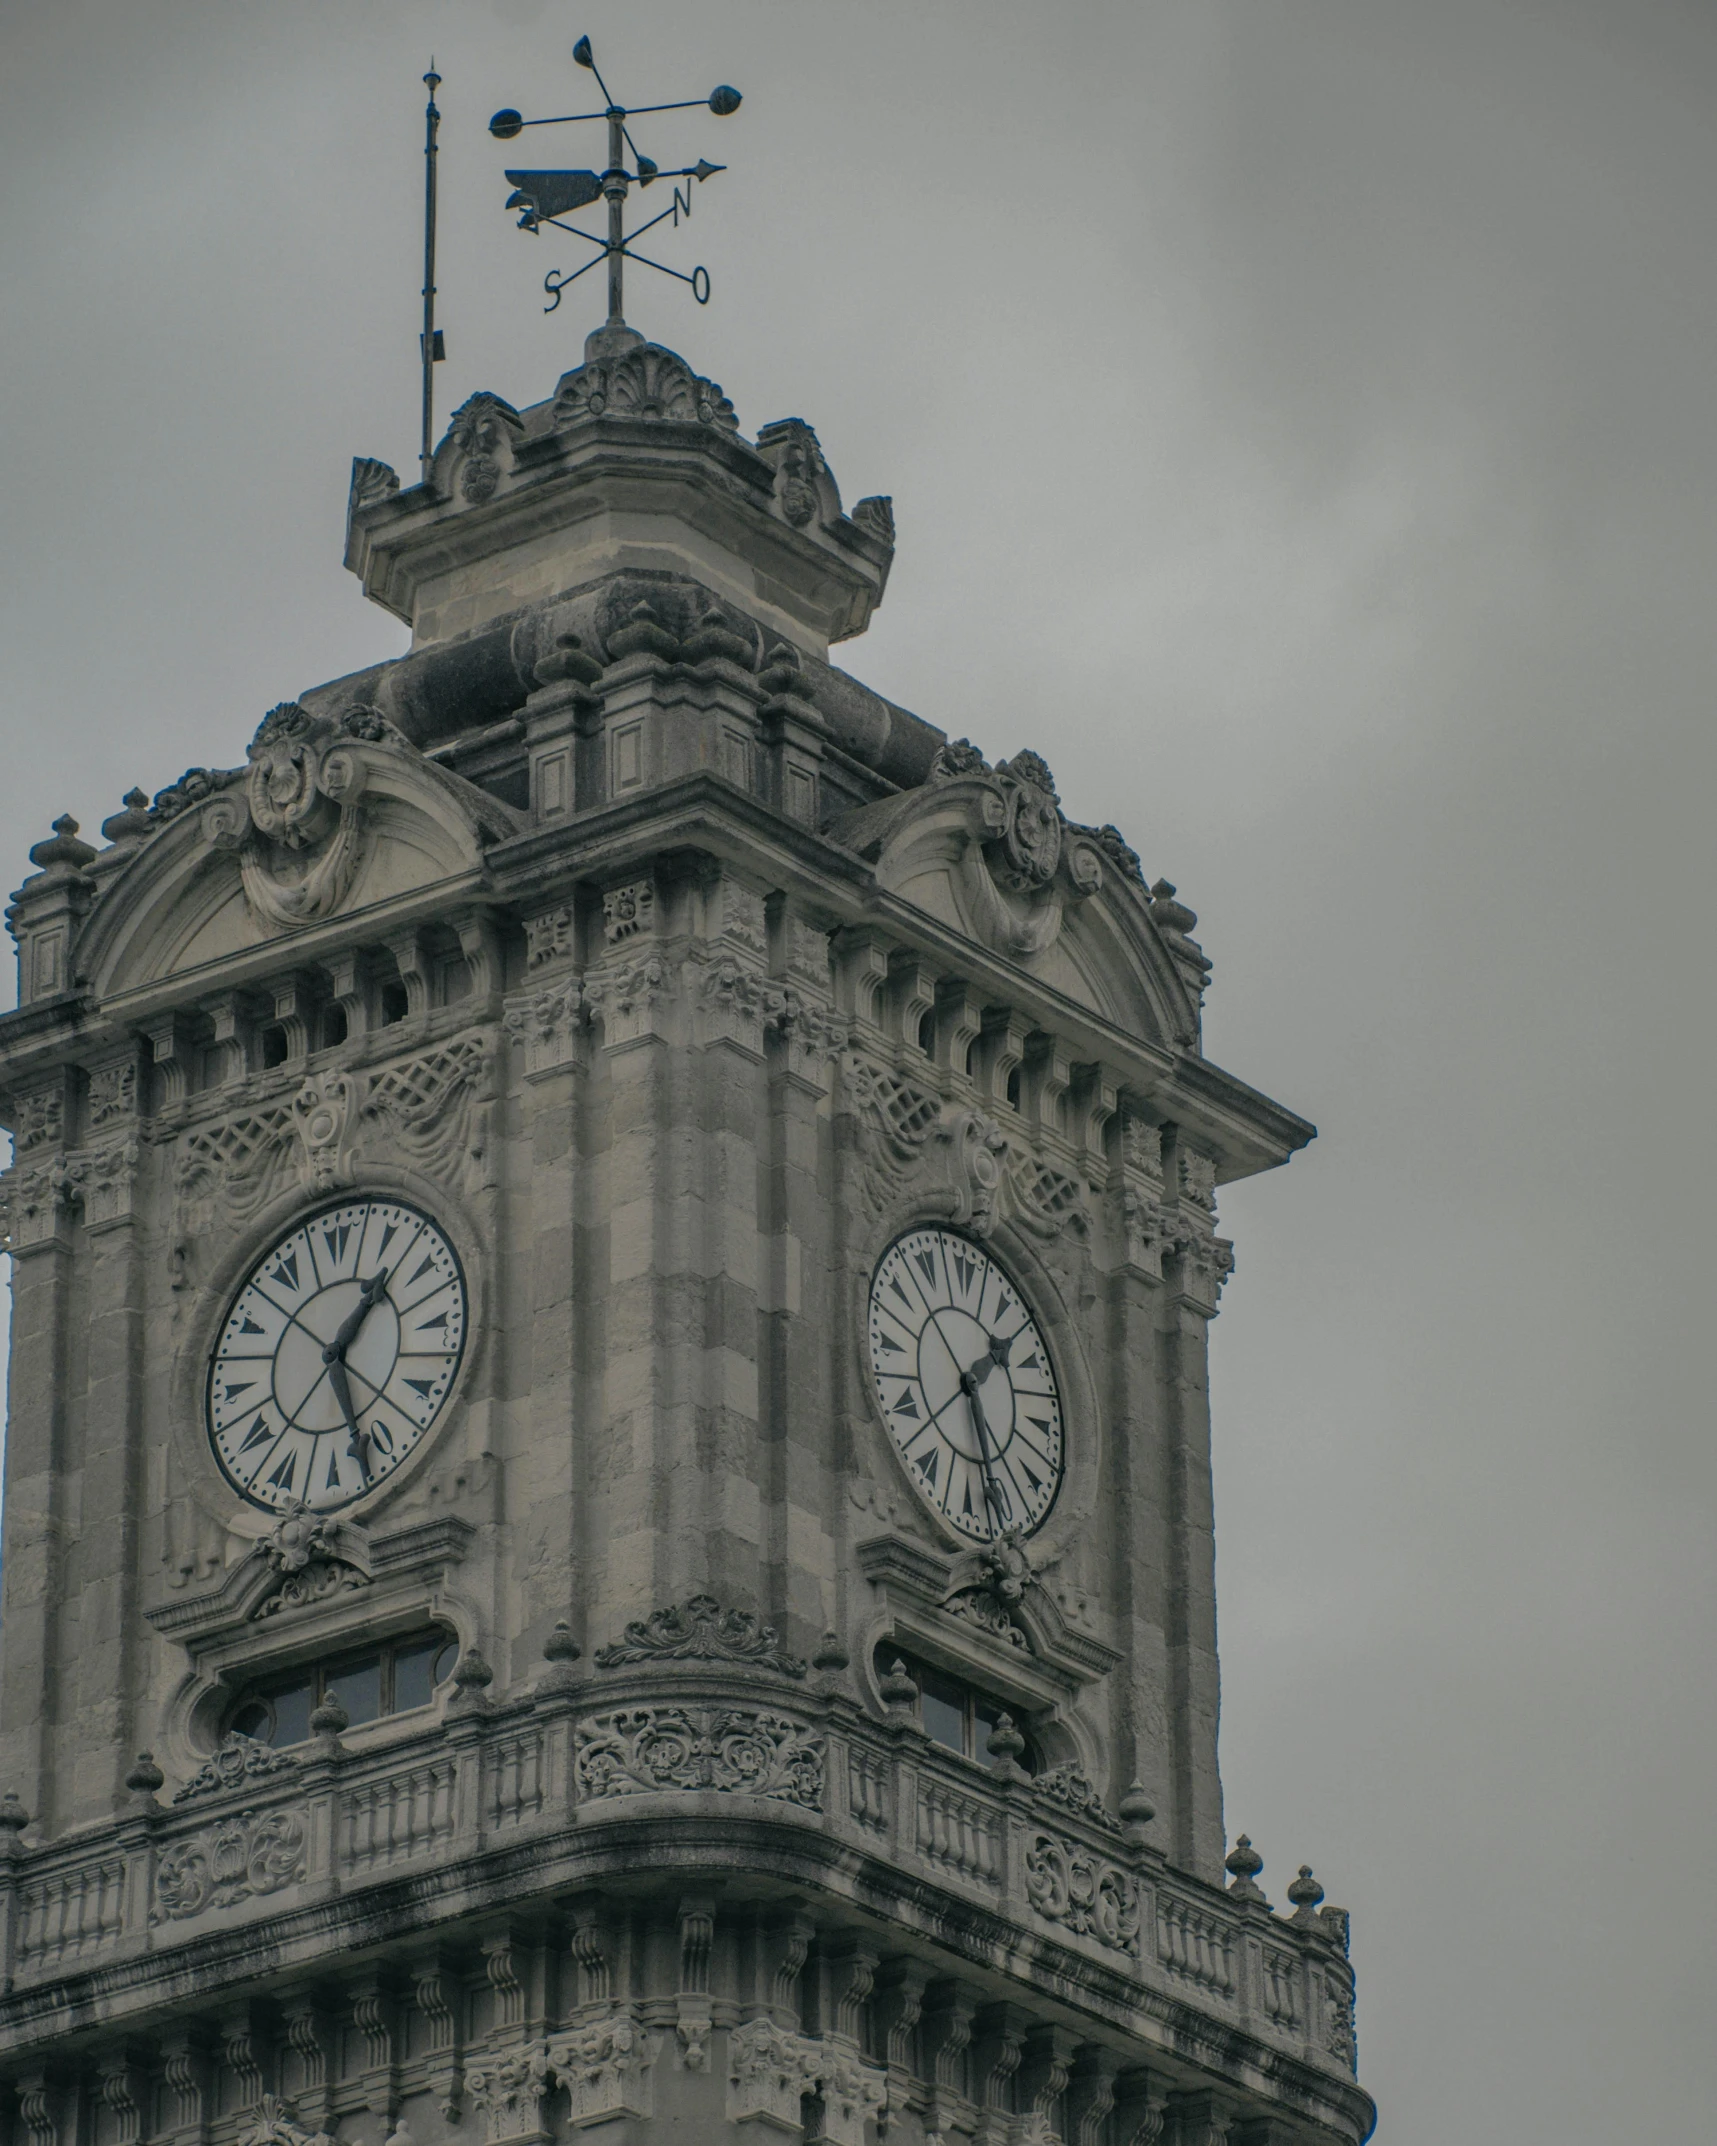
[
  {"x": 359, "y": 1443},
  {"x": 980, "y": 1423}
]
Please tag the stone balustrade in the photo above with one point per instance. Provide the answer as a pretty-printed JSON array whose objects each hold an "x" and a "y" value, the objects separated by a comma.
[{"x": 325, "y": 1831}]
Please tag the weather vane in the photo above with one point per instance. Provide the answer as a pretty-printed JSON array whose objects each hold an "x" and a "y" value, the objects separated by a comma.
[{"x": 545, "y": 197}]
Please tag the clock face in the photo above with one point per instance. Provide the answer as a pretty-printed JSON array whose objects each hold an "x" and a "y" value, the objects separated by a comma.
[
  {"x": 966, "y": 1385},
  {"x": 337, "y": 1356}
]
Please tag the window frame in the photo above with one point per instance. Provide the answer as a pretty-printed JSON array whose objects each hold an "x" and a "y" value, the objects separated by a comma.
[{"x": 317, "y": 1673}]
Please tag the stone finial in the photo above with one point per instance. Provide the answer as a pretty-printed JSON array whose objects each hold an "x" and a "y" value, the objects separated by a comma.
[
  {"x": 560, "y": 1646},
  {"x": 133, "y": 823},
  {"x": 1136, "y": 1812},
  {"x": 472, "y": 1677},
  {"x": 831, "y": 1654},
  {"x": 1243, "y": 1863},
  {"x": 1306, "y": 1893},
  {"x": 568, "y": 662},
  {"x": 145, "y": 1777},
  {"x": 1005, "y": 1745},
  {"x": 782, "y": 673},
  {"x": 326, "y": 1722},
  {"x": 643, "y": 634},
  {"x": 62, "y": 847},
  {"x": 898, "y": 1689},
  {"x": 13, "y": 1819},
  {"x": 560, "y": 1651}
]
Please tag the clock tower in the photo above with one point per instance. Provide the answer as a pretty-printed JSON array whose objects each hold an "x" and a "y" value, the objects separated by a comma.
[{"x": 608, "y": 1518}]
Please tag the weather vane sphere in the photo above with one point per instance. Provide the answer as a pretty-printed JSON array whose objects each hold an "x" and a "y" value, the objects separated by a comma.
[{"x": 545, "y": 197}]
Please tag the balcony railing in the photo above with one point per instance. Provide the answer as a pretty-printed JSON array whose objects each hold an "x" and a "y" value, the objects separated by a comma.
[{"x": 601, "y": 1749}]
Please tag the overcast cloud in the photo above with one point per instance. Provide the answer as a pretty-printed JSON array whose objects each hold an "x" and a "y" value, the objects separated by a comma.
[{"x": 1299, "y": 421}]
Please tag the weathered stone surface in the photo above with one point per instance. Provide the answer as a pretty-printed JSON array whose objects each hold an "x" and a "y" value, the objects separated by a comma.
[{"x": 675, "y": 976}]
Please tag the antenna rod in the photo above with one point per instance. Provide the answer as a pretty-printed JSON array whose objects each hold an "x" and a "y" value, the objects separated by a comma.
[
  {"x": 615, "y": 188},
  {"x": 431, "y": 121}
]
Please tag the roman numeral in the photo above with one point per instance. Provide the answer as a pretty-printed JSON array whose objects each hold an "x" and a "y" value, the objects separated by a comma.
[
  {"x": 906, "y": 1406},
  {"x": 893, "y": 1347},
  {"x": 927, "y": 1263},
  {"x": 333, "y": 1478},
  {"x": 388, "y": 1236},
  {"x": 928, "y": 1468},
  {"x": 440, "y": 1320},
  {"x": 281, "y": 1479},
  {"x": 429, "y": 1261},
  {"x": 250, "y": 1326},
  {"x": 258, "y": 1434},
  {"x": 244, "y": 1387},
  {"x": 425, "y": 1387},
  {"x": 335, "y": 1240},
  {"x": 286, "y": 1273}
]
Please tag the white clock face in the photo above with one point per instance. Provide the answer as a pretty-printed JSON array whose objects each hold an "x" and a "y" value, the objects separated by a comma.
[
  {"x": 337, "y": 1356},
  {"x": 966, "y": 1385}
]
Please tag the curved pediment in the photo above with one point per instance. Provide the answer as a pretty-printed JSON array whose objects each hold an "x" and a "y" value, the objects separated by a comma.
[
  {"x": 330, "y": 815},
  {"x": 988, "y": 852}
]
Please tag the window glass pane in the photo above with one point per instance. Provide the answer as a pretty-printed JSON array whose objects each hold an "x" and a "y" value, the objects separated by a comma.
[
  {"x": 358, "y": 1687},
  {"x": 943, "y": 1701},
  {"x": 988, "y": 1713},
  {"x": 255, "y": 1719},
  {"x": 414, "y": 1672},
  {"x": 291, "y": 1713}
]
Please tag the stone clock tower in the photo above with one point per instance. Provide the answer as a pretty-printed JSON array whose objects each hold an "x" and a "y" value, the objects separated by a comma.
[{"x": 607, "y": 1517}]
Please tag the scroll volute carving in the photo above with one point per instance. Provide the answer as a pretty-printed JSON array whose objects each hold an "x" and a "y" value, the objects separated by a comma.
[{"x": 294, "y": 823}]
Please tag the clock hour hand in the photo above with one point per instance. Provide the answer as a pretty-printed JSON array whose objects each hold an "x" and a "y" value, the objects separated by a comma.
[
  {"x": 368, "y": 1292},
  {"x": 998, "y": 1352},
  {"x": 359, "y": 1444}
]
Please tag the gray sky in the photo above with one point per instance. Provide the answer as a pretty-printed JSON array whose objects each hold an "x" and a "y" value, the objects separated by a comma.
[{"x": 1298, "y": 421}]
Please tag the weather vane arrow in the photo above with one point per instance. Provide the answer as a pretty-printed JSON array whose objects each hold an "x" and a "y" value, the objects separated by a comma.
[{"x": 545, "y": 197}]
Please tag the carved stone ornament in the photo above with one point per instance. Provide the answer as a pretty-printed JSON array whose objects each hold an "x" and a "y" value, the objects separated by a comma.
[
  {"x": 646, "y": 382},
  {"x": 700, "y": 1631},
  {"x": 249, "y": 1855},
  {"x": 274, "y": 2122},
  {"x": 506, "y": 2091},
  {"x": 989, "y": 1600},
  {"x": 998, "y": 834},
  {"x": 480, "y": 435},
  {"x": 1071, "y": 1886},
  {"x": 769, "y": 2072},
  {"x": 804, "y": 484},
  {"x": 606, "y": 2068},
  {"x": 240, "y": 1759},
  {"x": 295, "y": 824},
  {"x": 639, "y": 1749},
  {"x": 1067, "y": 1786},
  {"x": 313, "y": 1555}
]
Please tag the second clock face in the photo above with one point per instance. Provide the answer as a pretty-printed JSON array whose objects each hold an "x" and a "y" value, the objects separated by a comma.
[
  {"x": 337, "y": 1356},
  {"x": 966, "y": 1385}
]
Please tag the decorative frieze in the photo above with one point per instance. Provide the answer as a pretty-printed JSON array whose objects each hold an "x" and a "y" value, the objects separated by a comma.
[
  {"x": 248, "y": 1855},
  {"x": 606, "y": 2068},
  {"x": 546, "y": 1025},
  {"x": 238, "y": 1760},
  {"x": 1067, "y": 1786},
  {"x": 628, "y": 912},
  {"x": 700, "y": 1630},
  {"x": 549, "y": 937},
  {"x": 41, "y": 1119},
  {"x": 505, "y": 2093},
  {"x": 112, "y": 1093},
  {"x": 736, "y": 1752},
  {"x": 769, "y": 2073},
  {"x": 104, "y": 1179},
  {"x": 630, "y": 999},
  {"x": 321, "y": 1114},
  {"x": 1069, "y": 1885}
]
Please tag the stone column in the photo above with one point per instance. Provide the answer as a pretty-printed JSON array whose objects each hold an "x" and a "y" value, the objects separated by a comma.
[
  {"x": 106, "y": 1672},
  {"x": 37, "y": 1518},
  {"x": 1193, "y": 1281}
]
